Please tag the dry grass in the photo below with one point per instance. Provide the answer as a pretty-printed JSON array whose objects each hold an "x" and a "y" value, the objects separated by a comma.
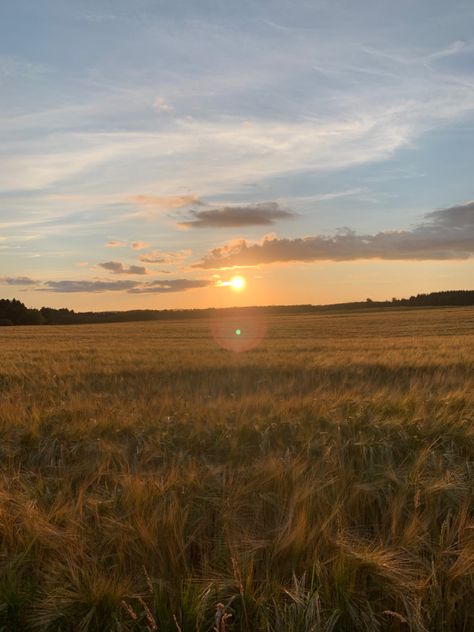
[{"x": 323, "y": 481}]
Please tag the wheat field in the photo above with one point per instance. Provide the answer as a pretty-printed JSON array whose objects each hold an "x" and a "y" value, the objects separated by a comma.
[{"x": 322, "y": 480}]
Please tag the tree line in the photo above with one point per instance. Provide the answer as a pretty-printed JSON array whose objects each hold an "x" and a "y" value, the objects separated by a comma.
[{"x": 14, "y": 312}]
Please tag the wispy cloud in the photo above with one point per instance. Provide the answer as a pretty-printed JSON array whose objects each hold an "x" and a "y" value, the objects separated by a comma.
[
  {"x": 114, "y": 243},
  {"x": 139, "y": 245},
  {"x": 334, "y": 195},
  {"x": 162, "y": 105},
  {"x": 171, "y": 258},
  {"x": 442, "y": 235},
  {"x": 119, "y": 268},
  {"x": 262, "y": 214},
  {"x": 14, "y": 66},
  {"x": 35, "y": 165},
  {"x": 164, "y": 203},
  {"x": 366, "y": 126},
  {"x": 455, "y": 48}
]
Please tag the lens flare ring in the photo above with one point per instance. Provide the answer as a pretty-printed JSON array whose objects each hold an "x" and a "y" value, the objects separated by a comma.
[{"x": 239, "y": 330}]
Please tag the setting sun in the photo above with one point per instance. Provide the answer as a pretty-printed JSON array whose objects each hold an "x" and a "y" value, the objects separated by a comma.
[{"x": 237, "y": 283}]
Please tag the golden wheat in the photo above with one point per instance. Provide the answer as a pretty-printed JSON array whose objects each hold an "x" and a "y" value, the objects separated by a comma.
[{"x": 324, "y": 480}]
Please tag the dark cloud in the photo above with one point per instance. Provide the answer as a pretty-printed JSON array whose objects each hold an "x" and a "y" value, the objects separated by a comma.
[
  {"x": 263, "y": 214},
  {"x": 132, "y": 287},
  {"x": 170, "y": 285},
  {"x": 21, "y": 280},
  {"x": 119, "y": 268},
  {"x": 458, "y": 217},
  {"x": 88, "y": 286},
  {"x": 445, "y": 234}
]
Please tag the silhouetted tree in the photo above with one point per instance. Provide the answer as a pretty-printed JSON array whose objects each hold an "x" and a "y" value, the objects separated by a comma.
[{"x": 16, "y": 313}]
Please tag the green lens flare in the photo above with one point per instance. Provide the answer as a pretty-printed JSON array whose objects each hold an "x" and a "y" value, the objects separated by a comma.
[{"x": 237, "y": 332}]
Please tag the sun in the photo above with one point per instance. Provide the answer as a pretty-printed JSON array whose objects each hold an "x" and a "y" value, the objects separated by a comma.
[{"x": 237, "y": 283}]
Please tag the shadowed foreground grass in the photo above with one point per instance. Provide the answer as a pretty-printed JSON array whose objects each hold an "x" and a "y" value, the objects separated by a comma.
[{"x": 322, "y": 481}]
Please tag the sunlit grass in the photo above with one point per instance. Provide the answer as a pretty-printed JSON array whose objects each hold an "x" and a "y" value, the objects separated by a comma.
[{"x": 321, "y": 481}]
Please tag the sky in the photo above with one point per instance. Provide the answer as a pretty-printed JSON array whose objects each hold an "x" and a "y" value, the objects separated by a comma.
[{"x": 152, "y": 150}]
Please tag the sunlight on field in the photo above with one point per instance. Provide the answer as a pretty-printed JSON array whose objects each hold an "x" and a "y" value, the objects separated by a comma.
[{"x": 325, "y": 475}]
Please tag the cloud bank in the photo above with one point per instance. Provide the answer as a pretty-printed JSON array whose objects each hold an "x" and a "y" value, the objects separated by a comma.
[
  {"x": 263, "y": 214},
  {"x": 442, "y": 235}
]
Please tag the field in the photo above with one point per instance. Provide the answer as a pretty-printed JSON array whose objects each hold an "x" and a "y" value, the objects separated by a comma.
[{"x": 323, "y": 480}]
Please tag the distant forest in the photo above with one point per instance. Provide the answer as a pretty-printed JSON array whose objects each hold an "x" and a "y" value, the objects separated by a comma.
[{"x": 14, "y": 312}]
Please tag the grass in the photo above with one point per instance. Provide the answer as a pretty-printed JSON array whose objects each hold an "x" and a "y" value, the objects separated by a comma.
[{"x": 320, "y": 481}]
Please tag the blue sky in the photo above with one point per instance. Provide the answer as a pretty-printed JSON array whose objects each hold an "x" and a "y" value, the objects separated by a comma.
[{"x": 151, "y": 149}]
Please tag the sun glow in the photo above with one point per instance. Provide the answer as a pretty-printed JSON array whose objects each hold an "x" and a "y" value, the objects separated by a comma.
[{"x": 237, "y": 283}]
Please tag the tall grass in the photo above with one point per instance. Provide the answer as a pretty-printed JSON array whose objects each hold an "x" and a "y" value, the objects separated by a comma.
[{"x": 322, "y": 481}]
